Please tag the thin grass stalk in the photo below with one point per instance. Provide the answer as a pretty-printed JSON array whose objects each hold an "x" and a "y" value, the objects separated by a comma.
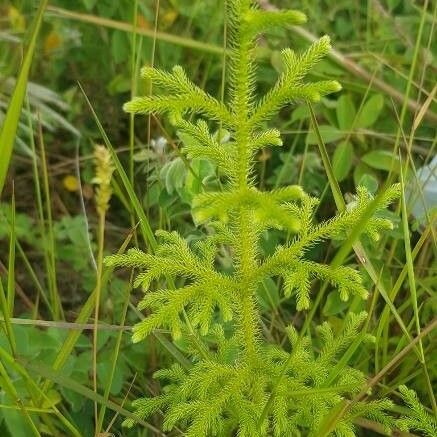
[
  {"x": 401, "y": 122},
  {"x": 98, "y": 291},
  {"x": 11, "y": 259},
  {"x": 12, "y": 118},
  {"x": 115, "y": 356},
  {"x": 64, "y": 381},
  {"x": 55, "y": 301},
  {"x": 41, "y": 219},
  {"x": 9, "y": 388},
  {"x": 144, "y": 224},
  {"x": 133, "y": 91},
  {"x": 352, "y": 241},
  {"x": 6, "y": 325},
  {"x": 413, "y": 291},
  {"x": 83, "y": 316}
]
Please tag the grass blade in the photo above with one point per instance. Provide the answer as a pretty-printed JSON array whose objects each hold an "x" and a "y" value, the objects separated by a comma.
[
  {"x": 330, "y": 421},
  {"x": 130, "y": 28},
  {"x": 55, "y": 301},
  {"x": 348, "y": 64},
  {"x": 412, "y": 287},
  {"x": 10, "y": 123},
  {"x": 383, "y": 319},
  {"x": 82, "y": 318},
  {"x": 146, "y": 229},
  {"x": 64, "y": 381},
  {"x": 335, "y": 188},
  {"x": 7, "y": 322},
  {"x": 11, "y": 260},
  {"x": 352, "y": 240},
  {"x": 115, "y": 354}
]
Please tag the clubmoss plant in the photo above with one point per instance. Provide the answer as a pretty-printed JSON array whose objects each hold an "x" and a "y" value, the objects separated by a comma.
[
  {"x": 417, "y": 418},
  {"x": 238, "y": 383}
]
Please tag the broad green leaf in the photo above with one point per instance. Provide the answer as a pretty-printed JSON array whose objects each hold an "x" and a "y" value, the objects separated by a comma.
[
  {"x": 173, "y": 175},
  {"x": 53, "y": 398},
  {"x": 334, "y": 304},
  {"x": 12, "y": 118},
  {"x": 328, "y": 133},
  {"x": 119, "y": 47},
  {"x": 342, "y": 160},
  {"x": 105, "y": 372},
  {"x": 268, "y": 295},
  {"x": 370, "y": 182},
  {"x": 381, "y": 160},
  {"x": 119, "y": 84},
  {"x": 15, "y": 423},
  {"x": 203, "y": 172},
  {"x": 107, "y": 8},
  {"x": 300, "y": 113},
  {"x": 75, "y": 400},
  {"x": 393, "y": 4},
  {"x": 89, "y": 4},
  {"x": 346, "y": 112},
  {"x": 360, "y": 170},
  {"x": 370, "y": 111}
]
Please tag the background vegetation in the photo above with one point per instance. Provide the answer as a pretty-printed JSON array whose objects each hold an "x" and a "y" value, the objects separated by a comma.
[{"x": 86, "y": 57}]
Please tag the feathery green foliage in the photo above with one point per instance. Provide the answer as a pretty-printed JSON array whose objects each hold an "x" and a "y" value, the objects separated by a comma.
[
  {"x": 417, "y": 419},
  {"x": 239, "y": 384}
]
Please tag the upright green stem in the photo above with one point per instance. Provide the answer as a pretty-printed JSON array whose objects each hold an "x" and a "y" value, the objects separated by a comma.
[
  {"x": 101, "y": 239},
  {"x": 246, "y": 326},
  {"x": 55, "y": 302}
]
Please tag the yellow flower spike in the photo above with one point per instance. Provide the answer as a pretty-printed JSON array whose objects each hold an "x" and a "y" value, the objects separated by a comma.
[{"x": 104, "y": 170}]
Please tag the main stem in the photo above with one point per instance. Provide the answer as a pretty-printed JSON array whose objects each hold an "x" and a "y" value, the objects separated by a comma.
[{"x": 246, "y": 248}]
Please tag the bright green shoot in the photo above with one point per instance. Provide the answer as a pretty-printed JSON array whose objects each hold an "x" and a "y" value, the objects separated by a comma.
[{"x": 238, "y": 383}]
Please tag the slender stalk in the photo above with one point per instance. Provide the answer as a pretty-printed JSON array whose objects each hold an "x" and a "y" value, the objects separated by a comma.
[
  {"x": 400, "y": 132},
  {"x": 128, "y": 27},
  {"x": 410, "y": 81},
  {"x": 11, "y": 261},
  {"x": 104, "y": 170},
  {"x": 413, "y": 291},
  {"x": 9, "y": 333},
  {"x": 133, "y": 92},
  {"x": 55, "y": 302},
  {"x": 41, "y": 221},
  {"x": 98, "y": 292},
  {"x": 246, "y": 326},
  {"x": 116, "y": 352}
]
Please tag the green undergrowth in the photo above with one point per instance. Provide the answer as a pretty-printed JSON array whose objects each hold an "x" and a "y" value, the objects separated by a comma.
[
  {"x": 238, "y": 382},
  {"x": 250, "y": 251}
]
